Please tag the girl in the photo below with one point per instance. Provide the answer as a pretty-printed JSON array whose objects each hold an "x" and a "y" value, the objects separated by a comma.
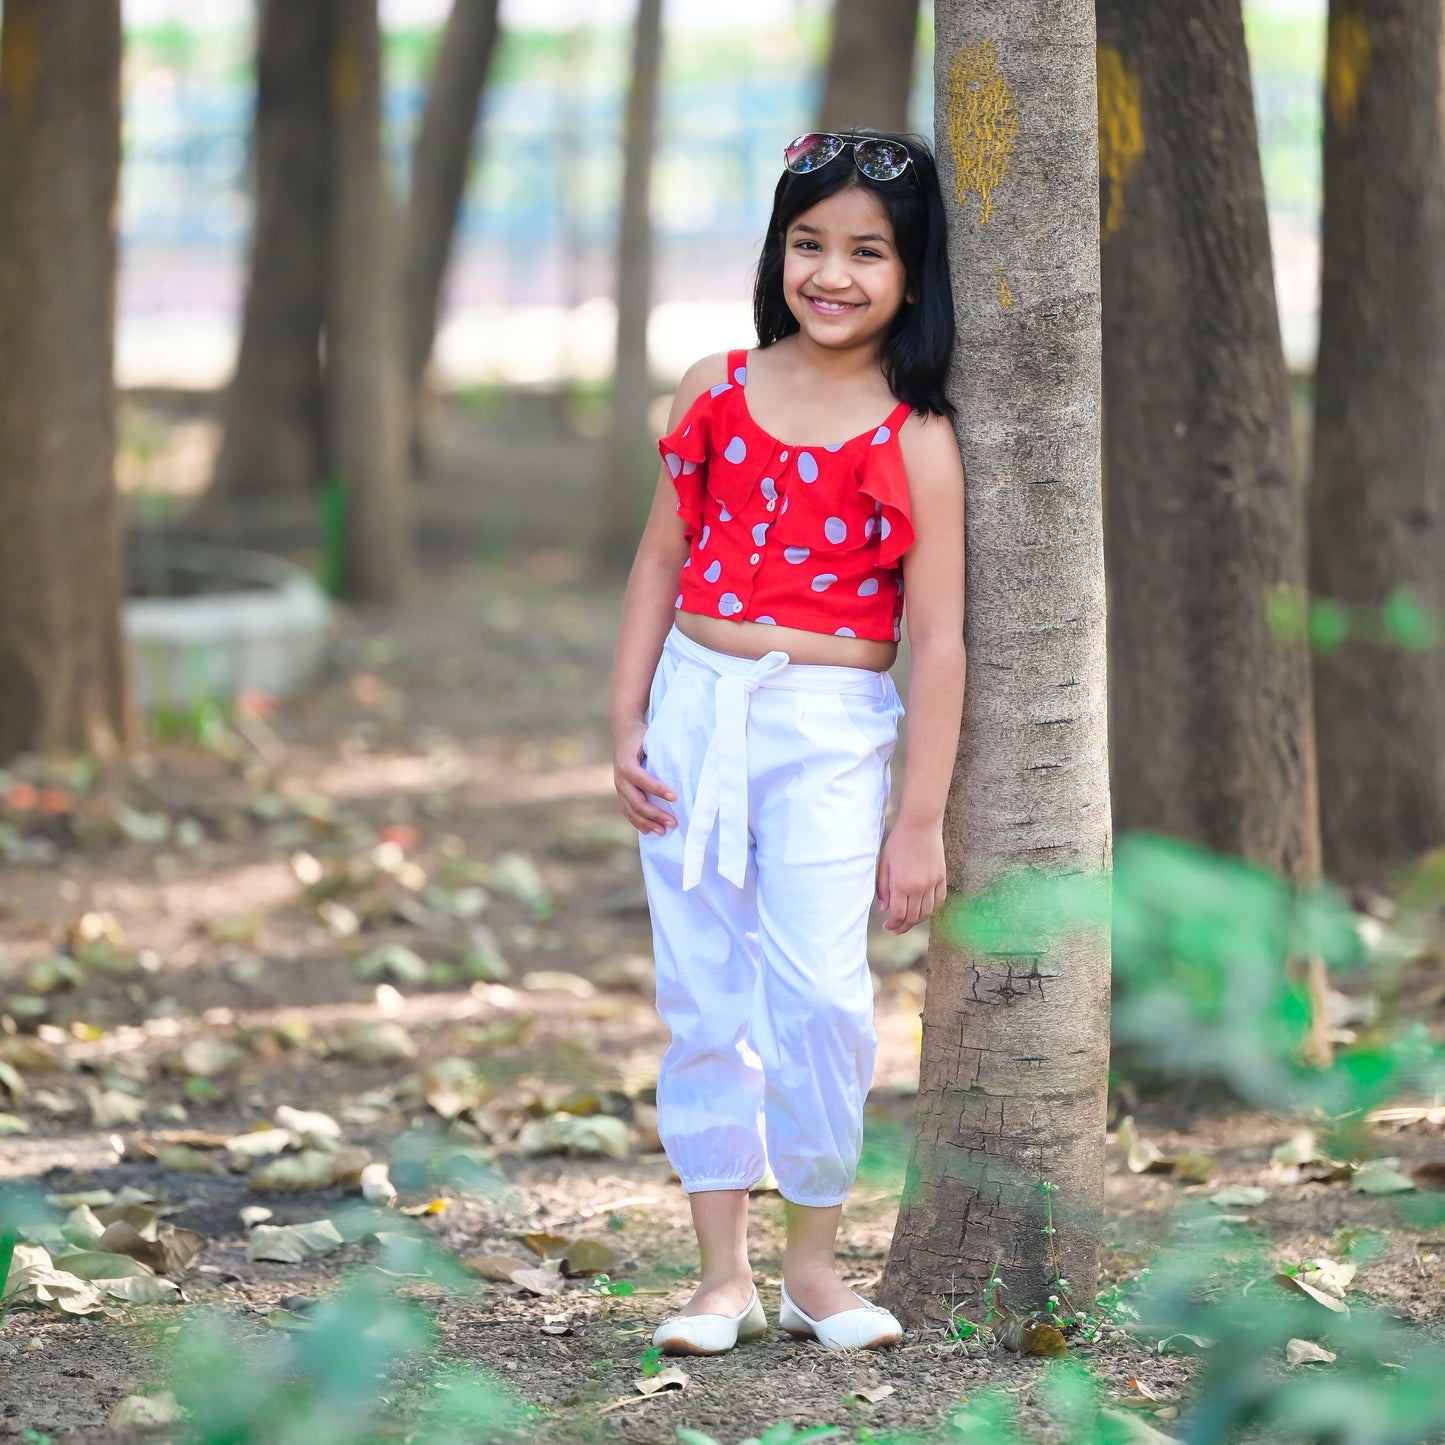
[{"x": 753, "y": 717}]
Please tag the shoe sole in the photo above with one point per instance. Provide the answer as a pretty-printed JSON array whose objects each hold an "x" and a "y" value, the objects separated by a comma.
[
  {"x": 886, "y": 1342},
  {"x": 686, "y": 1347}
]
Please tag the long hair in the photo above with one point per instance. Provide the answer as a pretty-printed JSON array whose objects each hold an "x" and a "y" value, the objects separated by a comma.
[{"x": 919, "y": 342}]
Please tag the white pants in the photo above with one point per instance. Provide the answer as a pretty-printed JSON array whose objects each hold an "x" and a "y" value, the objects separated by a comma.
[{"x": 760, "y": 900}]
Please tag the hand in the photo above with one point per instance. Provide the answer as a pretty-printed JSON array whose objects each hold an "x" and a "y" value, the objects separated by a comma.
[
  {"x": 912, "y": 878},
  {"x": 634, "y": 783}
]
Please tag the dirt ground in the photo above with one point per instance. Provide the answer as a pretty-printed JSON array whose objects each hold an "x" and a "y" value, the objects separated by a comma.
[{"x": 446, "y": 788}]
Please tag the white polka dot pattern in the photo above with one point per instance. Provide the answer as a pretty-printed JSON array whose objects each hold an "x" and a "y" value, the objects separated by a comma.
[{"x": 833, "y": 541}]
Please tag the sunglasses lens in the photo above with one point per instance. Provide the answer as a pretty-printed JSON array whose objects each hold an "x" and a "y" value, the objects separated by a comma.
[
  {"x": 881, "y": 160},
  {"x": 810, "y": 151}
]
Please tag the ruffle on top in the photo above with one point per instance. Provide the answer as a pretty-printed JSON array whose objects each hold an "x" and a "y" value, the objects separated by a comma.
[{"x": 806, "y": 537}]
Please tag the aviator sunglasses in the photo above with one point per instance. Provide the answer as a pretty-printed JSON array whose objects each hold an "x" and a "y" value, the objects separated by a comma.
[{"x": 879, "y": 160}]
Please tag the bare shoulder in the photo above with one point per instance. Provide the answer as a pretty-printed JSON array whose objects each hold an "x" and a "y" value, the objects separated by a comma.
[
  {"x": 701, "y": 376},
  {"x": 930, "y": 452}
]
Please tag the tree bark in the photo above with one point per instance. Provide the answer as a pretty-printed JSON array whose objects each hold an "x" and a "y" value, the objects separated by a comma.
[
  {"x": 1377, "y": 497},
  {"x": 439, "y": 169},
  {"x": 1213, "y": 739},
  {"x": 630, "y": 474},
  {"x": 365, "y": 385},
  {"x": 870, "y": 65},
  {"x": 272, "y": 440},
  {"x": 62, "y": 673},
  {"x": 1015, "y": 1049}
]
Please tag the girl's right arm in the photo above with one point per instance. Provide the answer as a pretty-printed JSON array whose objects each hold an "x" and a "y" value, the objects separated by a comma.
[{"x": 647, "y": 613}]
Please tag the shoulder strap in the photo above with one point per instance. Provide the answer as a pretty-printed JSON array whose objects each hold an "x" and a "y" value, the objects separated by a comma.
[
  {"x": 737, "y": 360},
  {"x": 898, "y": 416}
]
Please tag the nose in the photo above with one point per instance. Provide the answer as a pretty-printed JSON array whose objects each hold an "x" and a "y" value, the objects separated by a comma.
[{"x": 833, "y": 274}]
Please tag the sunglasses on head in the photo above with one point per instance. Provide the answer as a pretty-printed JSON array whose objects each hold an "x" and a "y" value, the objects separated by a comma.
[{"x": 879, "y": 160}]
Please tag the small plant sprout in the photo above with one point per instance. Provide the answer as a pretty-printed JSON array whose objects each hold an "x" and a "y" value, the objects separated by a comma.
[
  {"x": 649, "y": 1363},
  {"x": 605, "y": 1288}
]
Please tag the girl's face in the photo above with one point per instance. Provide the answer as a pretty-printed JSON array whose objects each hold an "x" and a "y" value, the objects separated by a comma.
[{"x": 842, "y": 276}]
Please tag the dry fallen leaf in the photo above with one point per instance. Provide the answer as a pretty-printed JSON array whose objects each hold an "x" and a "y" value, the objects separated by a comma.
[
  {"x": 548, "y": 1246},
  {"x": 556, "y": 1325},
  {"x": 374, "y": 1041},
  {"x": 1331, "y": 1302},
  {"x": 1033, "y": 1337},
  {"x": 207, "y": 1058},
  {"x": 1306, "y": 1352},
  {"x": 1140, "y": 1156},
  {"x": 109, "y": 1107},
  {"x": 310, "y": 1169},
  {"x": 294, "y": 1243},
  {"x": 1380, "y": 1176},
  {"x": 499, "y": 1268},
  {"x": 671, "y": 1379},
  {"x": 307, "y": 1122},
  {"x": 538, "y": 1281},
  {"x": 590, "y": 1256},
  {"x": 376, "y": 1185},
  {"x": 873, "y": 1394},
  {"x": 161, "y": 1408}
]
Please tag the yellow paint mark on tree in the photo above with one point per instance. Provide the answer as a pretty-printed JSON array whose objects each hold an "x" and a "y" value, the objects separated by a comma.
[
  {"x": 982, "y": 123},
  {"x": 1005, "y": 295},
  {"x": 1121, "y": 132},
  {"x": 19, "y": 60},
  {"x": 1347, "y": 64},
  {"x": 345, "y": 74}
]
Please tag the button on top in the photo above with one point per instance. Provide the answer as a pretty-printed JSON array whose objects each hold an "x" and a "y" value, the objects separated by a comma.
[
  {"x": 754, "y": 559},
  {"x": 773, "y": 505},
  {"x": 783, "y": 457}
]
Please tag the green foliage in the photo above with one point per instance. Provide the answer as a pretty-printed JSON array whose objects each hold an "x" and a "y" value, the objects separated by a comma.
[
  {"x": 328, "y": 1383},
  {"x": 783, "y": 1432},
  {"x": 1200, "y": 947}
]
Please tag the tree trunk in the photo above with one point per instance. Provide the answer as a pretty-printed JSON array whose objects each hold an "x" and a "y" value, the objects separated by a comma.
[
  {"x": 631, "y": 471},
  {"x": 62, "y": 674},
  {"x": 1015, "y": 1050},
  {"x": 870, "y": 65},
  {"x": 439, "y": 169},
  {"x": 1377, "y": 500},
  {"x": 273, "y": 414},
  {"x": 365, "y": 386},
  {"x": 1210, "y": 705}
]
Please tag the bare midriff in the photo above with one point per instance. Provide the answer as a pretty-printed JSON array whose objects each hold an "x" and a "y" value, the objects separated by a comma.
[{"x": 757, "y": 639}]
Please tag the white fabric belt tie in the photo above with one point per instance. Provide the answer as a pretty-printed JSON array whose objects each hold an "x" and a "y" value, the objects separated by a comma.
[{"x": 722, "y": 786}]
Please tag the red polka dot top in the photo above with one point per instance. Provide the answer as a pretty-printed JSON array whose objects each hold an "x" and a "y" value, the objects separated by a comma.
[{"x": 808, "y": 537}]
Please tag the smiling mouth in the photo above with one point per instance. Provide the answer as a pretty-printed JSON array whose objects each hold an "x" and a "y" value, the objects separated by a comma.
[{"x": 831, "y": 308}]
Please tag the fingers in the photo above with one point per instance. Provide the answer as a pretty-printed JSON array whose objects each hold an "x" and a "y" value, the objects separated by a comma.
[
  {"x": 635, "y": 788},
  {"x": 906, "y": 908}
]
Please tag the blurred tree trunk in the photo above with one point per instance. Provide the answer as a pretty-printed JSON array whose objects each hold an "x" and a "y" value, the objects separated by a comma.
[
  {"x": 1377, "y": 501},
  {"x": 870, "y": 65},
  {"x": 365, "y": 369},
  {"x": 272, "y": 439},
  {"x": 62, "y": 673},
  {"x": 439, "y": 169},
  {"x": 1016, "y": 1049},
  {"x": 1213, "y": 739},
  {"x": 631, "y": 471}
]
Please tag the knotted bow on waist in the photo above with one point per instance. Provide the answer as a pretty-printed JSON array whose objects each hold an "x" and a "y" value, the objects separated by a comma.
[
  {"x": 722, "y": 785},
  {"x": 722, "y": 788}
]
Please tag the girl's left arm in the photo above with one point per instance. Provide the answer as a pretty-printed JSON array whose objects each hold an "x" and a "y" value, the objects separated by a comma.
[{"x": 912, "y": 881}]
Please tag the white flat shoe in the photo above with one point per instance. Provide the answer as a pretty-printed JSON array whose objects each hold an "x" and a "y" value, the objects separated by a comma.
[
  {"x": 710, "y": 1334},
  {"x": 869, "y": 1327}
]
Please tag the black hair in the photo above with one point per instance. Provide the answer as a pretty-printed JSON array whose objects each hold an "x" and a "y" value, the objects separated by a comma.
[{"x": 919, "y": 343}]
